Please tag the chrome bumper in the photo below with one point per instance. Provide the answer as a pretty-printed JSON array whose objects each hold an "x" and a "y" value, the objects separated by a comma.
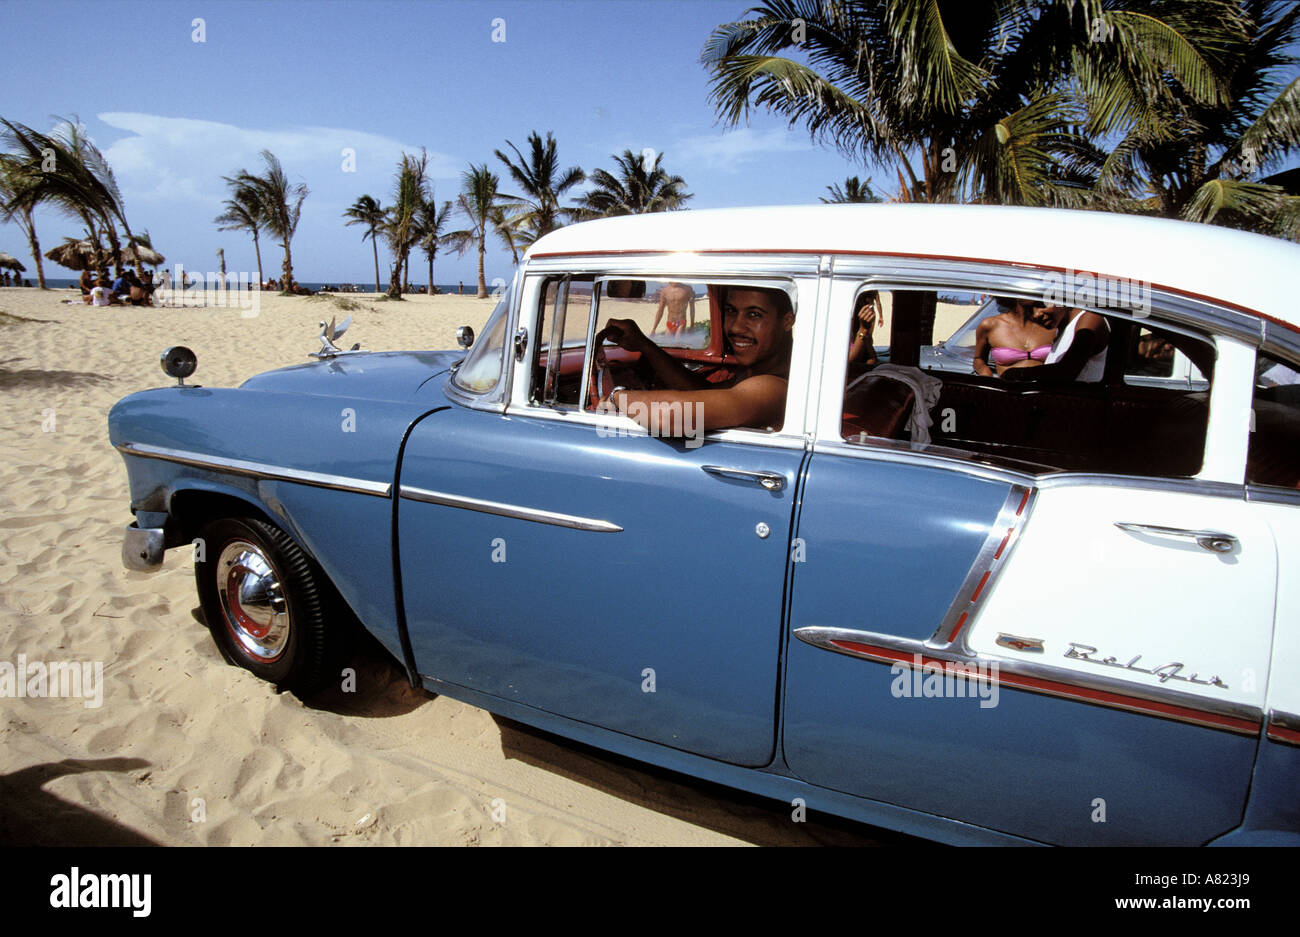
[{"x": 142, "y": 548}]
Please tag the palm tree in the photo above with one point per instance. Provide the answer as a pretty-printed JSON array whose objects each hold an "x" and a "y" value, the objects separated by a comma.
[
  {"x": 429, "y": 222},
  {"x": 510, "y": 229},
  {"x": 997, "y": 101},
  {"x": 16, "y": 204},
  {"x": 478, "y": 201},
  {"x": 243, "y": 212},
  {"x": 367, "y": 211},
  {"x": 280, "y": 204},
  {"x": 410, "y": 192},
  {"x": 1206, "y": 162},
  {"x": 641, "y": 186},
  {"x": 69, "y": 172},
  {"x": 543, "y": 184},
  {"x": 855, "y": 190}
]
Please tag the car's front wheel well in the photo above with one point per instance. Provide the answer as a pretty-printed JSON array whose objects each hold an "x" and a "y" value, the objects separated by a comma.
[{"x": 191, "y": 510}]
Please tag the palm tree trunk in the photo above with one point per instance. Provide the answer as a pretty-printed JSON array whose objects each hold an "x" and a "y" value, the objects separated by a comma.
[
  {"x": 287, "y": 269},
  {"x": 257, "y": 250},
  {"x": 375, "y": 244},
  {"x": 395, "y": 280},
  {"x": 482, "y": 283},
  {"x": 406, "y": 271},
  {"x": 116, "y": 245},
  {"x": 139, "y": 267},
  {"x": 431, "y": 274},
  {"x": 30, "y": 226}
]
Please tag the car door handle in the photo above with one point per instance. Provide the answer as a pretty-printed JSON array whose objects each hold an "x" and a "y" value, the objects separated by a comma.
[
  {"x": 772, "y": 481},
  {"x": 1213, "y": 540}
]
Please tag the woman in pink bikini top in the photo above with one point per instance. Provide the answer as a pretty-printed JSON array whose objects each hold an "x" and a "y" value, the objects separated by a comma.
[{"x": 1011, "y": 339}]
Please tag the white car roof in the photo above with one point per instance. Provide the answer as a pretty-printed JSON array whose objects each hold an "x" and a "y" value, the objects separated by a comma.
[{"x": 1251, "y": 271}]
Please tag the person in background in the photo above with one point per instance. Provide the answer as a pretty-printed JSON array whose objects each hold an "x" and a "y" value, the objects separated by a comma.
[
  {"x": 674, "y": 298},
  {"x": 867, "y": 312},
  {"x": 87, "y": 284},
  {"x": 102, "y": 293}
]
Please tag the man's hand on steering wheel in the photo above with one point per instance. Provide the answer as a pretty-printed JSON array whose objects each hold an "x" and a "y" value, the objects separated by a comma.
[{"x": 624, "y": 333}]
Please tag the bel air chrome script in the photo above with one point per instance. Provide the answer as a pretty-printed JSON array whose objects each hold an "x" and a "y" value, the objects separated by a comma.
[{"x": 1166, "y": 672}]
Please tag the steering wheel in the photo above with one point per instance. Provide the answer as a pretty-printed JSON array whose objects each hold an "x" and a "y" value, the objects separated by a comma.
[{"x": 602, "y": 382}]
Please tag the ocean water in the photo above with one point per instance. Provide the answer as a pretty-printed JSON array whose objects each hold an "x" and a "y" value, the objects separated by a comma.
[{"x": 314, "y": 286}]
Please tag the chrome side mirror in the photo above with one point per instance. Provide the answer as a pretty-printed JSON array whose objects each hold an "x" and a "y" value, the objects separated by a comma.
[
  {"x": 464, "y": 336},
  {"x": 521, "y": 343}
]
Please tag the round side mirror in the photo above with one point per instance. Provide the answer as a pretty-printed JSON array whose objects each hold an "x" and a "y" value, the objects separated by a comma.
[
  {"x": 179, "y": 362},
  {"x": 464, "y": 336}
]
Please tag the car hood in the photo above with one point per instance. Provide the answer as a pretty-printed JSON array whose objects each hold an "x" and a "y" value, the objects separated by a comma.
[{"x": 387, "y": 375}]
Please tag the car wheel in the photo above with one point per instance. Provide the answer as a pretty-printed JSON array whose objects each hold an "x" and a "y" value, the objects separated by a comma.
[{"x": 262, "y": 598}]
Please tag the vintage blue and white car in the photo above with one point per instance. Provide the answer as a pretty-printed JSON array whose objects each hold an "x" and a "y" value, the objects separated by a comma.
[{"x": 969, "y": 608}]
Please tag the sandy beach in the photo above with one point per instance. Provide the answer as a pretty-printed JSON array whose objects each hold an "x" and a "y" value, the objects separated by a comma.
[{"x": 185, "y": 750}]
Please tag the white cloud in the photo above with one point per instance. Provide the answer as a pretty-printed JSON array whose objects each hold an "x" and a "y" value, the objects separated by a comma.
[
  {"x": 731, "y": 150},
  {"x": 179, "y": 159}
]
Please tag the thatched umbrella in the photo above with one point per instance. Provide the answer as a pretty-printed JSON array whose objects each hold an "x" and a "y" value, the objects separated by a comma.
[
  {"x": 139, "y": 254},
  {"x": 10, "y": 261},
  {"x": 77, "y": 255}
]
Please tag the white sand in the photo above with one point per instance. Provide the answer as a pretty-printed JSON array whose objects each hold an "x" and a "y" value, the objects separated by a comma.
[{"x": 187, "y": 750}]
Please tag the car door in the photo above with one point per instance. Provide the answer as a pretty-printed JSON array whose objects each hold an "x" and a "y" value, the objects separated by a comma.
[
  {"x": 555, "y": 558},
  {"x": 1064, "y": 656}
]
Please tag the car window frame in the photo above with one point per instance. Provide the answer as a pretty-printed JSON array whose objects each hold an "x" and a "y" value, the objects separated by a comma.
[
  {"x": 800, "y": 271},
  {"x": 1223, "y": 463}
]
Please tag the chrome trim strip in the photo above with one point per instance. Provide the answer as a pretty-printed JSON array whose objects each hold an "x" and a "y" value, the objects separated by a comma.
[
  {"x": 1248, "y": 719},
  {"x": 1264, "y": 494},
  {"x": 1198, "y": 486},
  {"x": 509, "y": 510},
  {"x": 1284, "y": 720},
  {"x": 984, "y": 571},
  {"x": 1283, "y": 727},
  {"x": 258, "y": 469},
  {"x": 998, "y": 276},
  {"x": 891, "y": 450}
]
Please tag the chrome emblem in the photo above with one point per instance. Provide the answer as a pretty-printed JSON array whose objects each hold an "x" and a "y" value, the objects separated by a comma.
[
  {"x": 1016, "y": 643},
  {"x": 1166, "y": 672}
]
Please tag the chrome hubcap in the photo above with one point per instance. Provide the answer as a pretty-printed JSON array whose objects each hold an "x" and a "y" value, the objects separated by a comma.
[{"x": 252, "y": 601}]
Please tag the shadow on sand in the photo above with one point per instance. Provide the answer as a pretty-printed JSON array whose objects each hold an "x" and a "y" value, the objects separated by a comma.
[
  {"x": 746, "y": 817},
  {"x": 32, "y": 816},
  {"x": 45, "y": 380}
]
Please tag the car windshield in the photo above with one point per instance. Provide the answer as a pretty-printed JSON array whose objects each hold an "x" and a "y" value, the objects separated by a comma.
[
  {"x": 964, "y": 337},
  {"x": 481, "y": 368}
]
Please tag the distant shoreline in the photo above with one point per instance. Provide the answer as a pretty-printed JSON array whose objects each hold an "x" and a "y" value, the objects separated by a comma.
[{"x": 59, "y": 283}]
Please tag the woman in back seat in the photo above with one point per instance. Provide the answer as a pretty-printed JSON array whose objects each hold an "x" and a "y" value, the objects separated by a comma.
[
  {"x": 1012, "y": 339},
  {"x": 1079, "y": 352}
]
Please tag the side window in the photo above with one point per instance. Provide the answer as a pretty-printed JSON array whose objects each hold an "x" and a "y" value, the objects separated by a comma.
[
  {"x": 1037, "y": 386},
  {"x": 664, "y": 346},
  {"x": 1274, "y": 455},
  {"x": 560, "y": 343},
  {"x": 675, "y": 314},
  {"x": 1158, "y": 358}
]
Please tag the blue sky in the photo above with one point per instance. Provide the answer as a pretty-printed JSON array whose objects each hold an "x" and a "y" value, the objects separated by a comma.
[{"x": 307, "y": 80}]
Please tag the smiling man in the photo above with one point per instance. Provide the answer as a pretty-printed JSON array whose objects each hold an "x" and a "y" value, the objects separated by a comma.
[{"x": 758, "y": 322}]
